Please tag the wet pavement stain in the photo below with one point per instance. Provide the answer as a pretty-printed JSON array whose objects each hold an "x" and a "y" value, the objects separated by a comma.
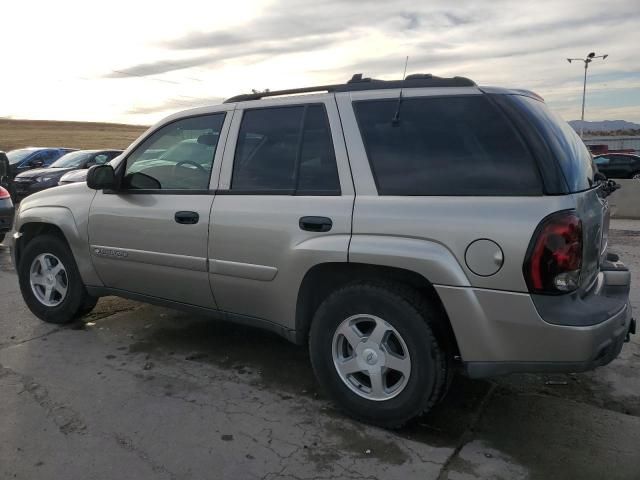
[
  {"x": 353, "y": 438},
  {"x": 246, "y": 350},
  {"x": 286, "y": 368}
]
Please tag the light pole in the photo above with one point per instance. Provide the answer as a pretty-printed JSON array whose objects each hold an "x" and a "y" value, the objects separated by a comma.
[{"x": 587, "y": 60}]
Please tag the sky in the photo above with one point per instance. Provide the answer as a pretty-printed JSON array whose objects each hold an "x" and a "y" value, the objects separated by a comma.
[{"x": 137, "y": 61}]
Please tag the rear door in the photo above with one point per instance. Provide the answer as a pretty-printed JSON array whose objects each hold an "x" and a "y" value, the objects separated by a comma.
[
  {"x": 150, "y": 237},
  {"x": 283, "y": 205}
]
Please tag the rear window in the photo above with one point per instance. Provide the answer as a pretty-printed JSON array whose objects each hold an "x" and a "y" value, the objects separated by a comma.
[
  {"x": 445, "y": 146},
  {"x": 568, "y": 148}
]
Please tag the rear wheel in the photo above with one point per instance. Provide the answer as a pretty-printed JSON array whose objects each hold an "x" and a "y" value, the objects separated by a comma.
[
  {"x": 50, "y": 282},
  {"x": 636, "y": 176},
  {"x": 374, "y": 351}
]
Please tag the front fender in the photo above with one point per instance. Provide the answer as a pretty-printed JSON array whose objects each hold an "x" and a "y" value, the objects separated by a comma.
[{"x": 74, "y": 232}]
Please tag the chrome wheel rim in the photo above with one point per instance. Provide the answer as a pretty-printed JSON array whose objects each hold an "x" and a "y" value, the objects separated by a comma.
[
  {"x": 636, "y": 176},
  {"x": 49, "y": 280},
  {"x": 371, "y": 357}
]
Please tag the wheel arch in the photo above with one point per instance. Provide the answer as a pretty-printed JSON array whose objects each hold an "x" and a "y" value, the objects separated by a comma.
[
  {"x": 58, "y": 221},
  {"x": 324, "y": 278}
]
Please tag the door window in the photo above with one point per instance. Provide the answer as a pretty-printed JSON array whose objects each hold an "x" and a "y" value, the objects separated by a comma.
[
  {"x": 619, "y": 160},
  {"x": 178, "y": 156},
  {"x": 600, "y": 161},
  {"x": 285, "y": 150}
]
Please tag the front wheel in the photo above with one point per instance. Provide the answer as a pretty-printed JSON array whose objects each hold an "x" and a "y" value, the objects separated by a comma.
[
  {"x": 636, "y": 176},
  {"x": 374, "y": 351},
  {"x": 50, "y": 282}
]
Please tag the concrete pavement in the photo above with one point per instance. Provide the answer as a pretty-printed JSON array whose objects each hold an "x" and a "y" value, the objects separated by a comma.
[{"x": 136, "y": 391}]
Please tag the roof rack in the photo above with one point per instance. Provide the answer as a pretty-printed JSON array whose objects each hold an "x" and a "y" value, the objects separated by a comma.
[{"x": 357, "y": 83}]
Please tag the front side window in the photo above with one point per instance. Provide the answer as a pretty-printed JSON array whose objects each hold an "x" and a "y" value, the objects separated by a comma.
[
  {"x": 444, "y": 146},
  {"x": 601, "y": 161},
  {"x": 178, "y": 156},
  {"x": 286, "y": 150}
]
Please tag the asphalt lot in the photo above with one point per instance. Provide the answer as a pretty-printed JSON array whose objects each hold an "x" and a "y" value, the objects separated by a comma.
[{"x": 136, "y": 391}]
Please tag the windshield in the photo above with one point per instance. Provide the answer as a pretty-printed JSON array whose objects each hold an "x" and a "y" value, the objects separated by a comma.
[
  {"x": 70, "y": 160},
  {"x": 16, "y": 156}
]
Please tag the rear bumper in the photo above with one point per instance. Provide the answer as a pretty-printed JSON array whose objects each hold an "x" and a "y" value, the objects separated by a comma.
[
  {"x": 502, "y": 332},
  {"x": 604, "y": 343}
]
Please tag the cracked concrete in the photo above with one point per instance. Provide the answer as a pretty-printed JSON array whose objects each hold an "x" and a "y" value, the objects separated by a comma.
[{"x": 138, "y": 391}]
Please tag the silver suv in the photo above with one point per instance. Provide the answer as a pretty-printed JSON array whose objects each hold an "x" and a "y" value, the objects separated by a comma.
[{"x": 404, "y": 230}]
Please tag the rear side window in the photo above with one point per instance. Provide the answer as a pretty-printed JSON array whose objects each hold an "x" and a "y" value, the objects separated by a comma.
[
  {"x": 568, "y": 148},
  {"x": 445, "y": 146},
  {"x": 285, "y": 150}
]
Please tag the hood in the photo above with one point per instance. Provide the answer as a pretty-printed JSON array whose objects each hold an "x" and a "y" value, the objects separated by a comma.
[
  {"x": 75, "y": 176},
  {"x": 41, "y": 172}
]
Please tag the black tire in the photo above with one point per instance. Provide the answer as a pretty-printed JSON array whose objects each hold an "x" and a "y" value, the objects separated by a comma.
[
  {"x": 77, "y": 301},
  {"x": 415, "y": 320},
  {"x": 2, "y": 235}
]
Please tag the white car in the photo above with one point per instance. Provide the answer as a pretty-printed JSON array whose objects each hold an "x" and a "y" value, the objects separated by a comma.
[{"x": 75, "y": 176}]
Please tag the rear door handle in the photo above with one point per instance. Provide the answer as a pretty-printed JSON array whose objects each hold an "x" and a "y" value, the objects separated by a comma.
[
  {"x": 187, "y": 218},
  {"x": 315, "y": 224}
]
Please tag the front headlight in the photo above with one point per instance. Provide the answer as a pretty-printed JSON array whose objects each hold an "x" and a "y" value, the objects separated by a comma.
[{"x": 44, "y": 179}]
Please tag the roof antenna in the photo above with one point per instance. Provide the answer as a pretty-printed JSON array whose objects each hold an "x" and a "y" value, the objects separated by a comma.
[{"x": 396, "y": 117}]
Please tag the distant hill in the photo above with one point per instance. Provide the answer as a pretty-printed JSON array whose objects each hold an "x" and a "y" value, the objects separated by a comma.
[
  {"x": 606, "y": 126},
  {"x": 45, "y": 133}
]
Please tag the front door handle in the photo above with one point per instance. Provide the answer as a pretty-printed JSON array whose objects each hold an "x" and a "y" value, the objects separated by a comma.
[
  {"x": 315, "y": 224},
  {"x": 187, "y": 218}
]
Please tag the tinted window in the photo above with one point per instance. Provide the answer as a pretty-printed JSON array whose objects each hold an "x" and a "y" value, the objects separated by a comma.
[
  {"x": 445, "y": 146},
  {"x": 318, "y": 171},
  {"x": 601, "y": 160},
  {"x": 285, "y": 149},
  {"x": 177, "y": 156},
  {"x": 620, "y": 160},
  {"x": 568, "y": 148}
]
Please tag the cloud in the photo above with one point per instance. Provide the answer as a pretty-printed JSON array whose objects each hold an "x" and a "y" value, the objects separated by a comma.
[{"x": 172, "y": 104}]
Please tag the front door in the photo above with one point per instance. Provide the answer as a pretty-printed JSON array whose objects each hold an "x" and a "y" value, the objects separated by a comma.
[
  {"x": 284, "y": 205},
  {"x": 150, "y": 236}
]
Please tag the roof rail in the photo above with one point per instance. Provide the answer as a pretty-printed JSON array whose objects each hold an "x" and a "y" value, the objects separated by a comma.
[{"x": 357, "y": 83}]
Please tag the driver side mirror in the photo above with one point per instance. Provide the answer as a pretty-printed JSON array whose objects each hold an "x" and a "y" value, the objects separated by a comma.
[
  {"x": 37, "y": 163},
  {"x": 101, "y": 177}
]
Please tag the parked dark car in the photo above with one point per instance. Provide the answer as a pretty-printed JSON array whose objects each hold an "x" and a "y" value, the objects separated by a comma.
[
  {"x": 28, "y": 158},
  {"x": 6, "y": 213},
  {"x": 33, "y": 181},
  {"x": 6, "y": 181},
  {"x": 619, "y": 165}
]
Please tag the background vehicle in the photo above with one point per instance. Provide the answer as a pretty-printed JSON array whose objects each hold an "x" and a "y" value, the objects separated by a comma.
[
  {"x": 403, "y": 230},
  {"x": 76, "y": 176},
  {"x": 6, "y": 181},
  {"x": 6, "y": 213},
  {"x": 619, "y": 165},
  {"x": 24, "y": 159},
  {"x": 39, "y": 179}
]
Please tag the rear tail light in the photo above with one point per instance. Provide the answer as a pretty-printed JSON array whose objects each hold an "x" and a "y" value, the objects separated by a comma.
[
  {"x": 4, "y": 194},
  {"x": 554, "y": 258}
]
